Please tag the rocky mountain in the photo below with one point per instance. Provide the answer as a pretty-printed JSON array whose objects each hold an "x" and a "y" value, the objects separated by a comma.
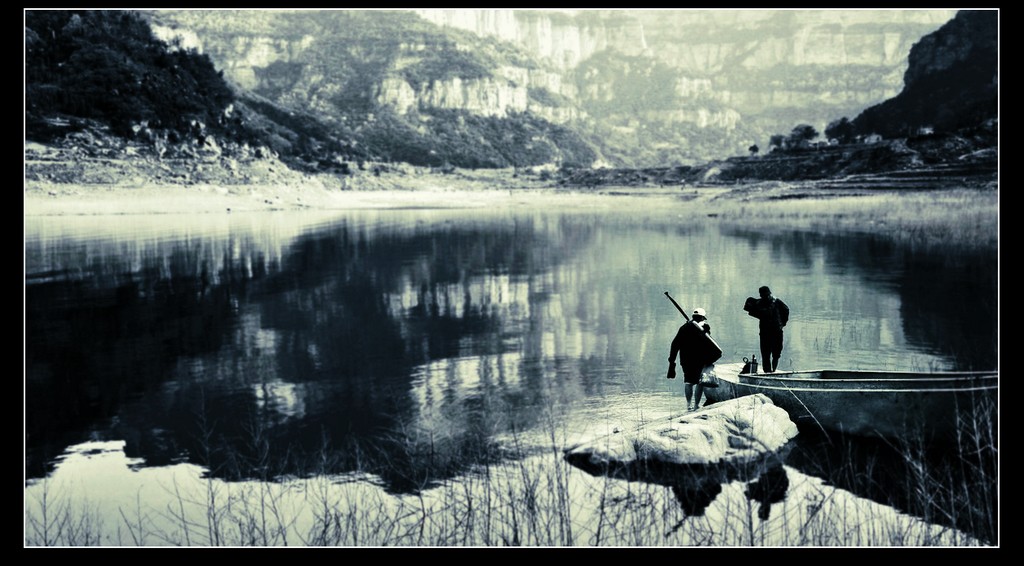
[
  {"x": 940, "y": 130},
  {"x": 389, "y": 85},
  {"x": 623, "y": 87},
  {"x": 734, "y": 77},
  {"x": 951, "y": 82}
]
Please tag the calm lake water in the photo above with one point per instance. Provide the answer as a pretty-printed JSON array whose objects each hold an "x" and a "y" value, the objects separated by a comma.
[{"x": 411, "y": 345}]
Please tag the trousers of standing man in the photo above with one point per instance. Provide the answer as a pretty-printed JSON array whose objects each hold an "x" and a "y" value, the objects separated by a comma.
[{"x": 771, "y": 348}]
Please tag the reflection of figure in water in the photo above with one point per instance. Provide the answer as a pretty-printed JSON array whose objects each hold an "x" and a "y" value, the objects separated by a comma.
[
  {"x": 769, "y": 488},
  {"x": 694, "y": 497},
  {"x": 773, "y": 315},
  {"x": 692, "y": 358}
]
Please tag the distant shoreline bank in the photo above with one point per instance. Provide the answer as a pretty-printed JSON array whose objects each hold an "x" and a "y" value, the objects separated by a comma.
[
  {"x": 72, "y": 199},
  {"x": 102, "y": 181}
]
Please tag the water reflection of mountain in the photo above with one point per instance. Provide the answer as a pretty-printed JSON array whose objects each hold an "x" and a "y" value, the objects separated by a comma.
[
  {"x": 310, "y": 360},
  {"x": 104, "y": 328},
  {"x": 355, "y": 317},
  {"x": 948, "y": 298}
]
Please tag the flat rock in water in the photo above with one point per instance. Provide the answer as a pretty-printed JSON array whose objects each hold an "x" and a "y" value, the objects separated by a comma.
[{"x": 726, "y": 437}]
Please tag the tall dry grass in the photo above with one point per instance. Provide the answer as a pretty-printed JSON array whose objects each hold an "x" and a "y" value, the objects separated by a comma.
[
  {"x": 538, "y": 500},
  {"x": 963, "y": 218}
]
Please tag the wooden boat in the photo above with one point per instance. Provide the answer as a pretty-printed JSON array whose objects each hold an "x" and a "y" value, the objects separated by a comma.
[{"x": 888, "y": 404}]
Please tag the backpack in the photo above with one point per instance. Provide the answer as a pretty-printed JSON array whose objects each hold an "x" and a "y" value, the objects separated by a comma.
[{"x": 783, "y": 310}]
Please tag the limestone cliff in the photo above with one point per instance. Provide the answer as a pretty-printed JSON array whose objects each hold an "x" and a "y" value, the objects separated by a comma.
[
  {"x": 565, "y": 38},
  {"x": 269, "y": 57},
  {"x": 760, "y": 71},
  {"x": 713, "y": 43}
]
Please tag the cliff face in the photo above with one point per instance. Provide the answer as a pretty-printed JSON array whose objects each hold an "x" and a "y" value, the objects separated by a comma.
[
  {"x": 724, "y": 78},
  {"x": 268, "y": 60},
  {"x": 486, "y": 97},
  {"x": 562, "y": 38},
  {"x": 730, "y": 41},
  {"x": 727, "y": 45}
]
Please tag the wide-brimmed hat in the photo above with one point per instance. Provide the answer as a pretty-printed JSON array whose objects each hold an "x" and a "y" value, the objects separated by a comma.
[{"x": 699, "y": 312}]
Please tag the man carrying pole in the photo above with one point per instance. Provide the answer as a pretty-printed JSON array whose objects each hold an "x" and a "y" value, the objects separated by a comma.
[{"x": 696, "y": 350}]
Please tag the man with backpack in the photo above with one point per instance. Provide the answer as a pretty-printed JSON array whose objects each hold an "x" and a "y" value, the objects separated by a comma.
[{"x": 773, "y": 315}]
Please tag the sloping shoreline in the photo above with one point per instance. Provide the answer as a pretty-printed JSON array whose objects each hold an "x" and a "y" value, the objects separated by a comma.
[{"x": 104, "y": 179}]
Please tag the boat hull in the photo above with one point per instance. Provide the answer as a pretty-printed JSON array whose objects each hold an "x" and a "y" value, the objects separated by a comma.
[{"x": 873, "y": 403}]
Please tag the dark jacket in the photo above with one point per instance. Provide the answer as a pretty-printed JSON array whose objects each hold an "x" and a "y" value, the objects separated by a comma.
[
  {"x": 688, "y": 345},
  {"x": 772, "y": 313}
]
